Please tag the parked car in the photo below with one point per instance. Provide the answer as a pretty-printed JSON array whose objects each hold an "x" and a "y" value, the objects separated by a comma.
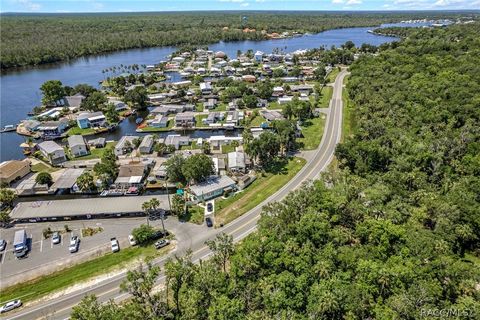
[
  {"x": 209, "y": 222},
  {"x": 209, "y": 207},
  {"x": 3, "y": 244},
  {"x": 74, "y": 244},
  {"x": 157, "y": 235},
  {"x": 10, "y": 306},
  {"x": 161, "y": 243},
  {"x": 115, "y": 246},
  {"x": 56, "y": 238},
  {"x": 132, "y": 240}
]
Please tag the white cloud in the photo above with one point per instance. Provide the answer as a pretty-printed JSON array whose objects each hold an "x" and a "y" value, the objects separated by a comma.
[
  {"x": 337, "y": 1},
  {"x": 234, "y": 1},
  {"x": 245, "y": 4},
  {"x": 29, "y": 5},
  {"x": 353, "y": 2},
  {"x": 259, "y": 1}
]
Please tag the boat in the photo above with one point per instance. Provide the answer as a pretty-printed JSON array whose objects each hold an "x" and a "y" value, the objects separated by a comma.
[
  {"x": 8, "y": 128},
  {"x": 111, "y": 193},
  {"x": 138, "y": 120}
]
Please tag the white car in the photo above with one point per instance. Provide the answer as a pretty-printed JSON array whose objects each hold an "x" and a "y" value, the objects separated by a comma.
[
  {"x": 132, "y": 241},
  {"x": 115, "y": 246},
  {"x": 74, "y": 243},
  {"x": 56, "y": 238},
  {"x": 10, "y": 306},
  {"x": 3, "y": 244}
]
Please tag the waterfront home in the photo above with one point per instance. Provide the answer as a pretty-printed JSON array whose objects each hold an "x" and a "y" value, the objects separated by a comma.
[
  {"x": 146, "y": 145},
  {"x": 52, "y": 151},
  {"x": 210, "y": 103},
  {"x": 74, "y": 102},
  {"x": 166, "y": 109},
  {"x": 178, "y": 59},
  {"x": 185, "y": 119},
  {"x": 160, "y": 172},
  {"x": 216, "y": 142},
  {"x": 213, "y": 117},
  {"x": 119, "y": 105},
  {"x": 97, "y": 143},
  {"x": 157, "y": 97},
  {"x": 90, "y": 120},
  {"x": 13, "y": 170},
  {"x": 50, "y": 113},
  {"x": 177, "y": 140},
  {"x": 124, "y": 145},
  {"x": 233, "y": 117},
  {"x": 159, "y": 122},
  {"x": 182, "y": 84},
  {"x": 219, "y": 165},
  {"x": 67, "y": 182},
  {"x": 130, "y": 175},
  {"x": 271, "y": 115},
  {"x": 212, "y": 187},
  {"x": 259, "y": 56},
  {"x": 236, "y": 161},
  {"x": 77, "y": 146},
  {"x": 249, "y": 78},
  {"x": 31, "y": 125},
  {"x": 256, "y": 132},
  {"x": 206, "y": 88},
  {"x": 53, "y": 129}
]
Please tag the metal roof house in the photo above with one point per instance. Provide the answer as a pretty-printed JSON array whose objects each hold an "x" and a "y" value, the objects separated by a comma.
[
  {"x": 77, "y": 145},
  {"x": 122, "y": 146},
  {"x": 52, "y": 151},
  {"x": 212, "y": 187},
  {"x": 236, "y": 161},
  {"x": 146, "y": 145}
]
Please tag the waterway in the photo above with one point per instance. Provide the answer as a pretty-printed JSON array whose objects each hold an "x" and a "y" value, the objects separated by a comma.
[{"x": 20, "y": 88}]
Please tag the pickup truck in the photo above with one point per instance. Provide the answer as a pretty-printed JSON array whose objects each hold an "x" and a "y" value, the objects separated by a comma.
[{"x": 115, "y": 246}]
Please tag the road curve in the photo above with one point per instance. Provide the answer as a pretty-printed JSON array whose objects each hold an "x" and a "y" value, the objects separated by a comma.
[{"x": 61, "y": 307}]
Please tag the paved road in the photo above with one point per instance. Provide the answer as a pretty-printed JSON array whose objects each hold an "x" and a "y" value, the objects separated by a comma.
[{"x": 239, "y": 228}]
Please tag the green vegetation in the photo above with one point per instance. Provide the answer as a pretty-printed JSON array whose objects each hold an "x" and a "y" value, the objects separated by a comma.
[
  {"x": 97, "y": 153},
  {"x": 312, "y": 131},
  {"x": 195, "y": 215},
  {"x": 169, "y": 127},
  {"x": 332, "y": 75},
  {"x": 325, "y": 97},
  {"x": 42, "y": 167},
  {"x": 77, "y": 130},
  {"x": 84, "y": 271},
  {"x": 392, "y": 233},
  {"x": 44, "y": 38},
  {"x": 199, "y": 122},
  {"x": 227, "y": 148},
  {"x": 257, "y": 120},
  {"x": 264, "y": 186}
]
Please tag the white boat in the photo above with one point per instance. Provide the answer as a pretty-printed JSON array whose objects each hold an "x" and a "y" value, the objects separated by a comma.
[{"x": 8, "y": 128}]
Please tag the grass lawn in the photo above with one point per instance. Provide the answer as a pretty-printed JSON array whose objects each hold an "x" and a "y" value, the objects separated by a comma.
[
  {"x": 325, "y": 98},
  {"x": 349, "y": 123},
  {"x": 73, "y": 275},
  {"x": 191, "y": 146},
  {"x": 274, "y": 105},
  {"x": 228, "y": 148},
  {"x": 332, "y": 75},
  {"x": 96, "y": 153},
  {"x": 220, "y": 107},
  {"x": 312, "y": 133},
  {"x": 198, "y": 120},
  {"x": 77, "y": 130},
  {"x": 257, "y": 121},
  {"x": 265, "y": 185},
  {"x": 195, "y": 215},
  {"x": 41, "y": 167},
  {"x": 199, "y": 107},
  {"x": 169, "y": 127}
]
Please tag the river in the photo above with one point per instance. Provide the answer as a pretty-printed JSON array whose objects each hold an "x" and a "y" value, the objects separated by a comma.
[{"x": 20, "y": 88}]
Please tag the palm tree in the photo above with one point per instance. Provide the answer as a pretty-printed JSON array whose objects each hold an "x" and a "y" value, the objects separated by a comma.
[{"x": 146, "y": 207}]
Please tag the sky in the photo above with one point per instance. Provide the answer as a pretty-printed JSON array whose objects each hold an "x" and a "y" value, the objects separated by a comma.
[{"x": 193, "y": 5}]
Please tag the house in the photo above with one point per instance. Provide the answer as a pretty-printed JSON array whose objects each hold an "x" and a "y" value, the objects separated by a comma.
[
  {"x": 302, "y": 88},
  {"x": 278, "y": 92},
  {"x": 158, "y": 97},
  {"x": 285, "y": 100},
  {"x": 67, "y": 181},
  {"x": 97, "y": 143},
  {"x": 290, "y": 79},
  {"x": 119, "y": 105},
  {"x": 159, "y": 122},
  {"x": 13, "y": 170},
  {"x": 249, "y": 78},
  {"x": 206, "y": 88},
  {"x": 185, "y": 119},
  {"x": 245, "y": 180},
  {"x": 182, "y": 84},
  {"x": 166, "y": 109},
  {"x": 130, "y": 175},
  {"x": 124, "y": 145},
  {"x": 74, "y": 102},
  {"x": 177, "y": 140},
  {"x": 146, "y": 145},
  {"x": 271, "y": 115},
  {"x": 219, "y": 165},
  {"x": 53, "y": 129},
  {"x": 256, "y": 132},
  {"x": 261, "y": 103},
  {"x": 53, "y": 152},
  {"x": 90, "y": 120},
  {"x": 77, "y": 145},
  {"x": 213, "y": 117},
  {"x": 232, "y": 117},
  {"x": 31, "y": 125},
  {"x": 216, "y": 142},
  {"x": 212, "y": 187},
  {"x": 236, "y": 161},
  {"x": 160, "y": 172},
  {"x": 210, "y": 103}
]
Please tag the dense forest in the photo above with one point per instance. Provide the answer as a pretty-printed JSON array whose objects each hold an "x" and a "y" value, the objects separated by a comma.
[
  {"x": 37, "y": 39},
  {"x": 393, "y": 233}
]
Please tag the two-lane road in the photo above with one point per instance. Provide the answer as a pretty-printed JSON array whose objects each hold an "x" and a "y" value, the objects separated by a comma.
[{"x": 60, "y": 307}]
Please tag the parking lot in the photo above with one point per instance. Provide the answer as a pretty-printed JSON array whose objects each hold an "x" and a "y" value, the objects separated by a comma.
[{"x": 45, "y": 257}]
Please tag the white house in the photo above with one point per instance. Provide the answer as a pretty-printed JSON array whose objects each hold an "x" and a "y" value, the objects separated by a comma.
[
  {"x": 147, "y": 144},
  {"x": 77, "y": 145},
  {"x": 52, "y": 151},
  {"x": 123, "y": 146},
  {"x": 236, "y": 161}
]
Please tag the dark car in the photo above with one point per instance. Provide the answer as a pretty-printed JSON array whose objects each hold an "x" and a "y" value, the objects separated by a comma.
[
  {"x": 157, "y": 235},
  {"x": 161, "y": 244},
  {"x": 3, "y": 244},
  {"x": 209, "y": 207},
  {"x": 209, "y": 222}
]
